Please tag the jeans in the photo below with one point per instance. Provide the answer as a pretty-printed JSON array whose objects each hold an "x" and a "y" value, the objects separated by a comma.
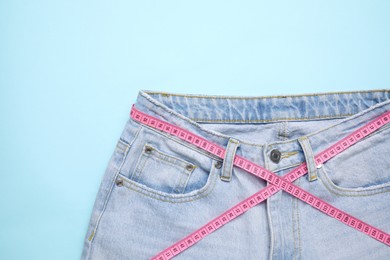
[{"x": 157, "y": 188}]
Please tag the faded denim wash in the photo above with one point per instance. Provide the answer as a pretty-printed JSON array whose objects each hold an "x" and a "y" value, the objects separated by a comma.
[{"x": 157, "y": 188}]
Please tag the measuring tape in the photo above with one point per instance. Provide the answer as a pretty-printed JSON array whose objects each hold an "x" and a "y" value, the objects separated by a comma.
[{"x": 277, "y": 183}]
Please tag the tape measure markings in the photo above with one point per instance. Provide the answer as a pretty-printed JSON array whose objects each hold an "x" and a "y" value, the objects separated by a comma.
[{"x": 277, "y": 181}]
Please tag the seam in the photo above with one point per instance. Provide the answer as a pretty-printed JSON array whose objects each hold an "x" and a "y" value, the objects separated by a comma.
[
  {"x": 225, "y": 163},
  {"x": 285, "y": 134},
  {"x": 134, "y": 138},
  {"x": 308, "y": 157},
  {"x": 282, "y": 119},
  {"x": 378, "y": 131},
  {"x": 179, "y": 183},
  {"x": 293, "y": 225},
  {"x": 288, "y": 154},
  {"x": 155, "y": 102},
  {"x": 180, "y": 167},
  {"x": 155, "y": 195},
  {"x": 287, "y": 167},
  {"x": 139, "y": 167},
  {"x": 130, "y": 145},
  {"x": 228, "y": 159},
  {"x": 105, "y": 203},
  {"x": 122, "y": 145},
  {"x": 166, "y": 94},
  {"x": 282, "y": 244},
  {"x": 366, "y": 137},
  {"x": 278, "y": 134},
  {"x": 127, "y": 146},
  {"x": 354, "y": 116},
  {"x": 183, "y": 175},
  {"x": 161, "y": 156},
  {"x": 383, "y": 128},
  {"x": 287, "y": 130},
  {"x": 271, "y": 235},
  {"x": 186, "y": 180},
  {"x": 325, "y": 180},
  {"x": 299, "y": 228},
  {"x": 357, "y": 143},
  {"x": 179, "y": 141}
]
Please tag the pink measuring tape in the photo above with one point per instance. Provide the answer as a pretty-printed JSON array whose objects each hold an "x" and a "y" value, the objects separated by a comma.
[{"x": 277, "y": 182}]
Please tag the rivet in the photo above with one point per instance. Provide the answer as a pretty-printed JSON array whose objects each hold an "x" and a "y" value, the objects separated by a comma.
[
  {"x": 275, "y": 155},
  {"x": 148, "y": 149},
  {"x": 189, "y": 167},
  {"x": 119, "y": 182},
  {"x": 218, "y": 164}
]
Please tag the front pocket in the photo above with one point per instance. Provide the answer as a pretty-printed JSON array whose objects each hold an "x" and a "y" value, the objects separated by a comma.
[
  {"x": 361, "y": 170},
  {"x": 160, "y": 165},
  {"x": 162, "y": 171},
  {"x": 331, "y": 183},
  {"x": 201, "y": 187}
]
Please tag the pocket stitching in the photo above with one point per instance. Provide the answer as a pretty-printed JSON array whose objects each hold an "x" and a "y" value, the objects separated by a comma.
[
  {"x": 160, "y": 155},
  {"x": 374, "y": 133},
  {"x": 178, "y": 163},
  {"x": 350, "y": 192},
  {"x": 180, "y": 141},
  {"x": 109, "y": 191},
  {"x": 367, "y": 191},
  {"x": 138, "y": 171},
  {"x": 184, "y": 178},
  {"x": 107, "y": 195},
  {"x": 172, "y": 198}
]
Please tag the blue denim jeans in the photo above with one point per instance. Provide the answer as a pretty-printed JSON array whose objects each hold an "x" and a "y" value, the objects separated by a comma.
[{"x": 157, "y": 188}]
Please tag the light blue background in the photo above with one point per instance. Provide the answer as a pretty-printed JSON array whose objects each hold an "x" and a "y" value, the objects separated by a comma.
[{"x": 70, "y": 70}]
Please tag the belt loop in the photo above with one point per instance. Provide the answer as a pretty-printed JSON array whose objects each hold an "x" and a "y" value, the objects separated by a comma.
[
  {"x": 227, "y": 167},
  {"x": 309, "y": 157}
]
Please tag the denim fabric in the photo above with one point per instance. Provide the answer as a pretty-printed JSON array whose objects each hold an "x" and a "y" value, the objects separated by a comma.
[{"x": 157, "y": 188}]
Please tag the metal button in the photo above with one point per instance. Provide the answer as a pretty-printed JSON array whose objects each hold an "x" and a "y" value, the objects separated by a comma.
[
  {"x": 218, "y": 165},
  {"x": 189, "y": 167},
  {"x": 275, "y": 155},
  {"x": 148, "y": 149},
  {"x": 119, "y": 182}
]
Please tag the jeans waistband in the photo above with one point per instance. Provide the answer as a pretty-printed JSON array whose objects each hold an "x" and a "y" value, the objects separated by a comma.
[{"x": 193, "y": 112}]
